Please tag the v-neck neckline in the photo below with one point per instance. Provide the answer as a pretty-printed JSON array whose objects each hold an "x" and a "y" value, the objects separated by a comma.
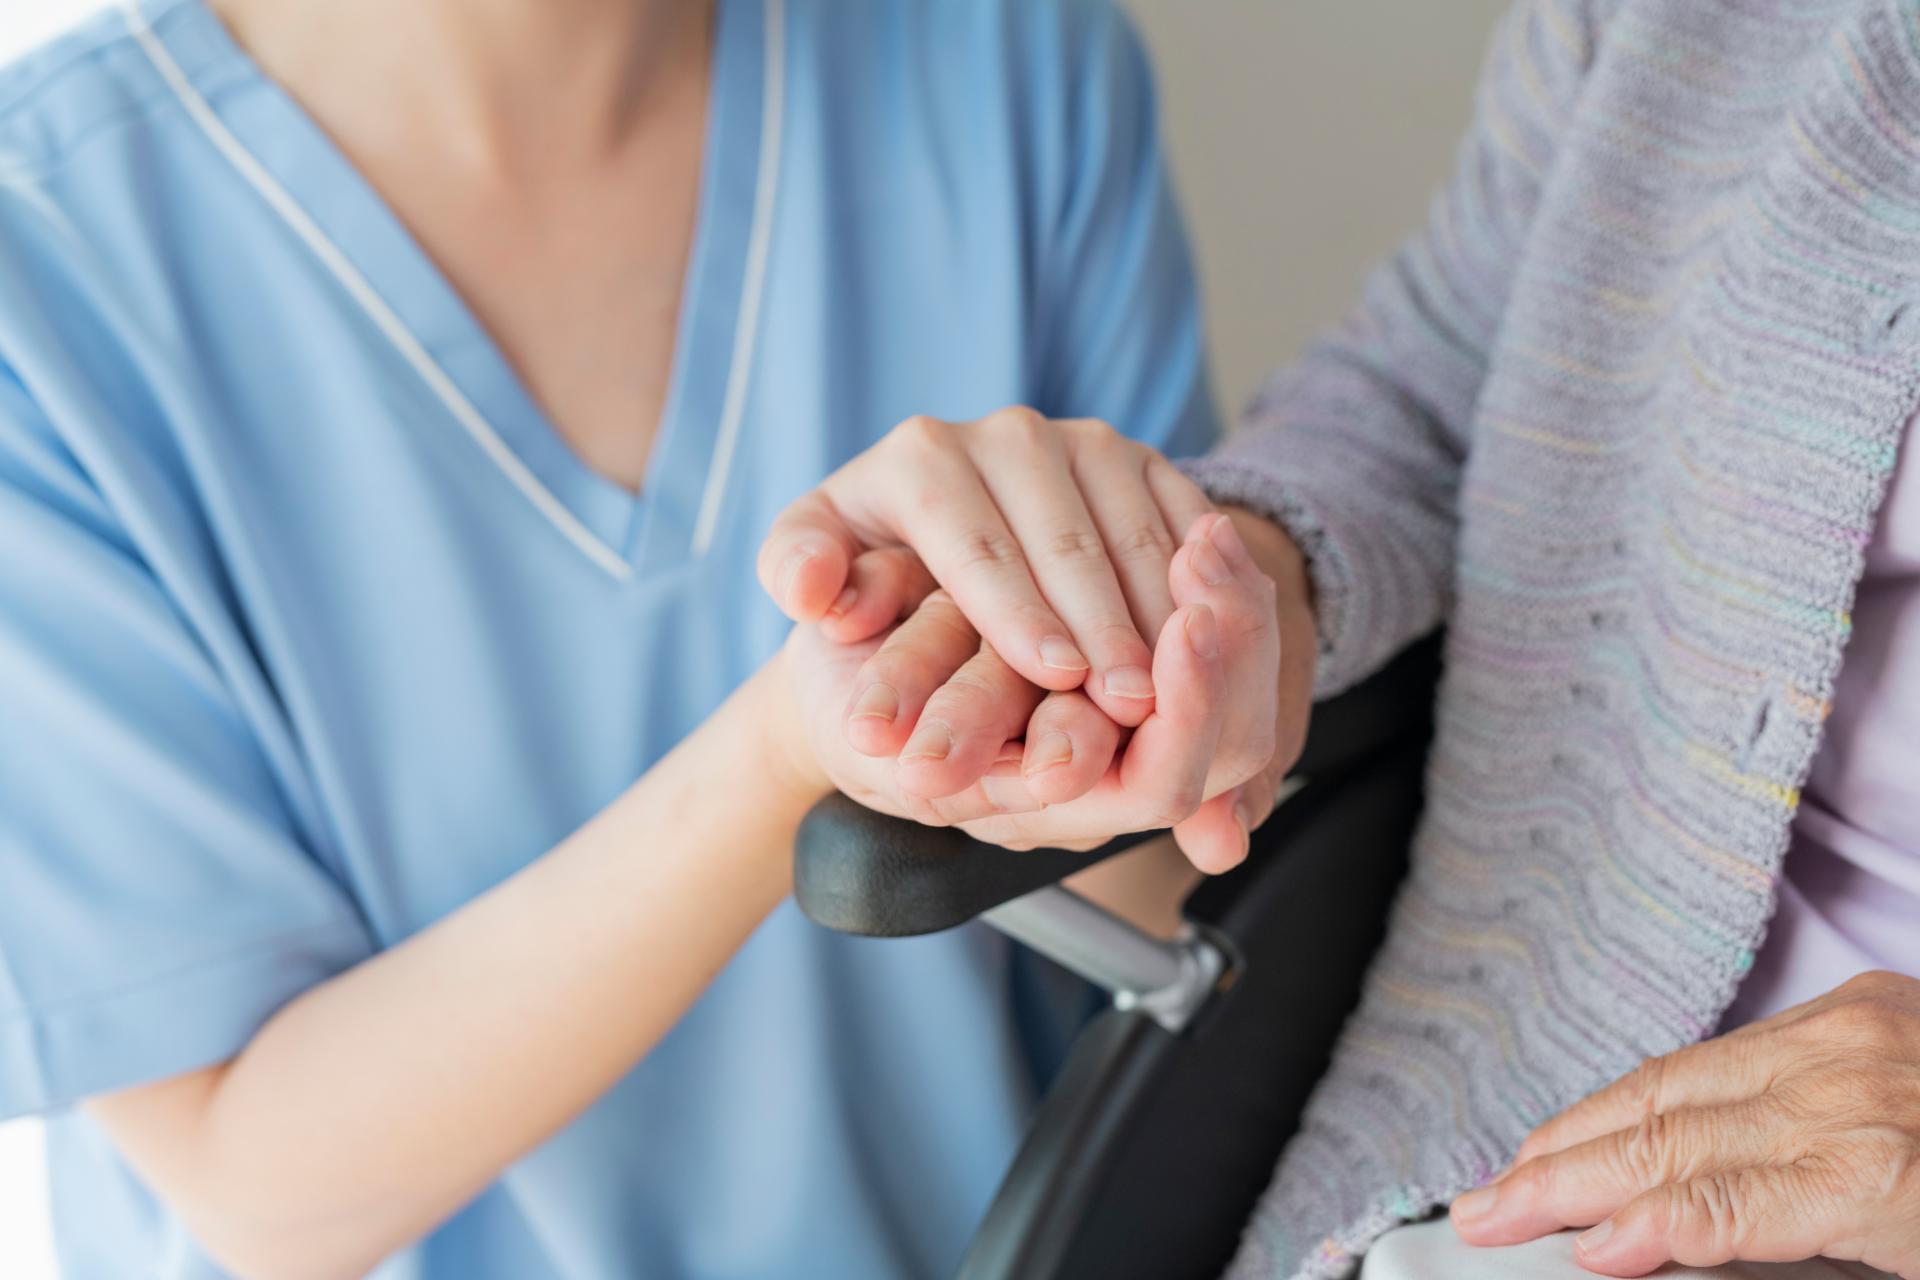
[{"x": 358, "y": 237}]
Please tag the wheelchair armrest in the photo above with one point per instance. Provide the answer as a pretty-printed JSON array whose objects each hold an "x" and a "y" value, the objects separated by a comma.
[
  {"x": 862, "y": 872},
  {"x": 866, "y": 873}
]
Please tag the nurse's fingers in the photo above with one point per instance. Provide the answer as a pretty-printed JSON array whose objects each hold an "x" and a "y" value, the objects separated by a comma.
[
  {"x": 893, "y": 685},
  {"x": 1070, "y": 743},
  {"x": 964, "y": 727},
  {"x": 920, "y": 487},
  {"x": 804, "y": 561},
  {"x": 1134, "y": 529},
  {"x": 999, "y": 794},
  {"x": 1028, "y": 468},
  {"x": 1181, "y": 501},
  {"x": 884, "y": 587}
]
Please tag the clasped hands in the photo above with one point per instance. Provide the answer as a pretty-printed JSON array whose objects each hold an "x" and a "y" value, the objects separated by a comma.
[{"x": 1045, "y": 634}]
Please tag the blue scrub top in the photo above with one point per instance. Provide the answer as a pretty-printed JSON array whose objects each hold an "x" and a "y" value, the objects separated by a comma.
[{"x": 312, "y": 628}]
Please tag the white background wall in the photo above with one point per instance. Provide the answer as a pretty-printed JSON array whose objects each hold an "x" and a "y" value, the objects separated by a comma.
[{"x": 1306, "y": 135}]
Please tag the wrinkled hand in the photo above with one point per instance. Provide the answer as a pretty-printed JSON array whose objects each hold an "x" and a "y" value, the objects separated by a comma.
[
  {"x": 979, "y": 746},
  {"x": 1796, "y": 1137}
]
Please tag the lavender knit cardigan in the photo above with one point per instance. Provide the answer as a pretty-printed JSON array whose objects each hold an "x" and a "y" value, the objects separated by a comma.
[{"x": 1621, "y": 417}]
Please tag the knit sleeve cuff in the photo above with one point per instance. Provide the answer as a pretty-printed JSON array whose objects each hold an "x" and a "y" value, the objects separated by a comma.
[{"x": 1381, "y": 567}]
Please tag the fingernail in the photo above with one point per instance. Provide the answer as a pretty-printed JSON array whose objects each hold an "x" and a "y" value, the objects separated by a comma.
[
  {"x": 1224, "y": 536},
  {"x": 931, "y": 741},
  {"x": 1202, "y": 635},
  {"x": 876, "y": 702},
  {"x": 1061, "y": 655},
  {"x": 843, "y": 603},
  {"x": 1207, "y": 563},
  {"x": 1128, "y": 682},
  {"x": 1051, "y": 750},
  {"x": 1475, "y": 1204},
  {"x": 1596, "y": 1237}
]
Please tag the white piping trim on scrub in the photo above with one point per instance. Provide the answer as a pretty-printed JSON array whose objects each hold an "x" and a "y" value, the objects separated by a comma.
[
  {"x": 747, "y": 325},
  {"x": 376, "y": 307}
]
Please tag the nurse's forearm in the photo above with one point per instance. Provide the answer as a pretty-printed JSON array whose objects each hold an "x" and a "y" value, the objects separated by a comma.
[{"x": 375, "y": 1105}]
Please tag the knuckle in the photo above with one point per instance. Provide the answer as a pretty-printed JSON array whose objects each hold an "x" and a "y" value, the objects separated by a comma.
[
  {"x": 1703, "y": 1211},
  {"x": 989, "y": 549},
  {"x": 1017, "y": 422},
  {"x": 1875, "y": 982},
  {"x": 1645, "y": 1151},
  {"x": 1869, "y": 1022},
  {"x": 1541, "y": 1139},
  {"x": 1092, "y": 438},
  {"x": 1537, "y": 1179},
  {"x": 928, "y": 813},
  {"x": 1114, "y": 634},
  {"x": 1143, "y": 541},
  {"x": 965, "y": 696},
  {"x": 921, "y": 433},
  {"x": 1641, "y": 1086},
  {"x": 1075, "y": 544}
]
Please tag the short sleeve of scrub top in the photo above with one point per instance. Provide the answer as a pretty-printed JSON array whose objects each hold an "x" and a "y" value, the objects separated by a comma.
[{"x": 312, "y": 628}]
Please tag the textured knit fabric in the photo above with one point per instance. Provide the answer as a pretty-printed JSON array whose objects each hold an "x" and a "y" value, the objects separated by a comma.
[
  {"x": 1621, "y": 416},
  {"x": 1850, "y": 887}
]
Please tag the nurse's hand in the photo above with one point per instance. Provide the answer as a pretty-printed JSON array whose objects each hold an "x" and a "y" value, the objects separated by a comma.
[
  {"x": 1011, "y": 763},
  {"x": 1054, "y": 538},
  {"x": 1793, "y": 1138}
]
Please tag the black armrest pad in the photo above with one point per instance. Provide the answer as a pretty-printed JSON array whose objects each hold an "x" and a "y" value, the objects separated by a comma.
[{"x": 881, "y": 877}]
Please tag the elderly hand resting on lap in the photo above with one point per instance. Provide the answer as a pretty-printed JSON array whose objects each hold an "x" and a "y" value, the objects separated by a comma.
[
  {"x": 1794, "y": 1137},
  {"x": 1022, "y": 698}
]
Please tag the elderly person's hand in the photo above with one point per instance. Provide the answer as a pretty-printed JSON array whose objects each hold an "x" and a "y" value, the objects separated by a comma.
[
  {"x": 1009, "y": 762},
  {"x": 1796, "y": 1137}
]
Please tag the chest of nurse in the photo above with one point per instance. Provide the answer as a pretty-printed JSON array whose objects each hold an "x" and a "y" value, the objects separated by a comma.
[{"x": 456, "y": 638}]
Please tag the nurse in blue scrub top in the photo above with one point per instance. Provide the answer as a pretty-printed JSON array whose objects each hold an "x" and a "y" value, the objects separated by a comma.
[{"x": 398, "y": 761}]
